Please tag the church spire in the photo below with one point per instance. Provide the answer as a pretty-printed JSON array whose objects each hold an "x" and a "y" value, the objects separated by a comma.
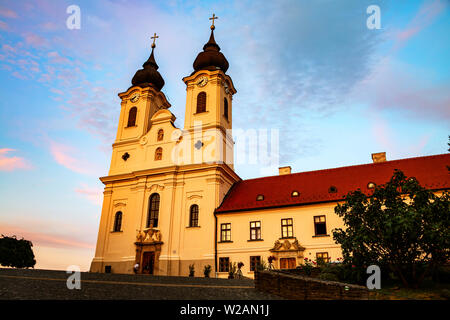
[
  {"x": 149, "y": 76},
  {"x": 211, "y": 58},
  {"x": 151, "y": 60}
]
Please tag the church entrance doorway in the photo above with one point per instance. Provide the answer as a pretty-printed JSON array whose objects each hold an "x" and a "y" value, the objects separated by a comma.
[{"x": 148, "y": 262}]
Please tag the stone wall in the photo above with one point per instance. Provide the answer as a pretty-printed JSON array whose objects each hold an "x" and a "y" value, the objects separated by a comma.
[
  {"x": 300, "y": 287},
  {"x": 315, "y": 272}
]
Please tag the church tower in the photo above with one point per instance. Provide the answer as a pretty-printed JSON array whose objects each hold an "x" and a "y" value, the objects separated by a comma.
[
  {"x": 208, "y": 116},
  {"x": 164, "y": 183}
]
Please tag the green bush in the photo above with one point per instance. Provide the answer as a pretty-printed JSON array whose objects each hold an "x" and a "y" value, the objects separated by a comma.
[{"x": 328, "y": 276}]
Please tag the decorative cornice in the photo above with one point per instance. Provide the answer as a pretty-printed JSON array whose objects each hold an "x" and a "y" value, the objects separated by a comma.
[
  {"x": 175, "y": 170},
  {"x": 154, "y": 187}
]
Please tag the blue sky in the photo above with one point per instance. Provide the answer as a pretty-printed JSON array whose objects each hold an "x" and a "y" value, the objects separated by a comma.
[{"x": 334, "y": 89}]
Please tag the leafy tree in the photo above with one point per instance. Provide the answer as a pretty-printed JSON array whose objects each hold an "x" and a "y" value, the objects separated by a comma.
[
  {"x": 401, "y": 226},
  {"x": 16, "y": 253}
]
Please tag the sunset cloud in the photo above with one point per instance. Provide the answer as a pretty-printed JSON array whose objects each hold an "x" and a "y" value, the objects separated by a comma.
[
  {"x": 11, "y": 163},
  {"x": 3, "y": 25},
  {"x": 8, "y": 13},
  {"x": 35, "y": 40},
  {"x": 45, "y": 239},
  {"x": 71, "y": 158},
  {"x": 93, "y": 194},
  {"x": 56, "y": 58},
  {"x": 427, "y": 13},
  {"x": 395, "y": 86}
]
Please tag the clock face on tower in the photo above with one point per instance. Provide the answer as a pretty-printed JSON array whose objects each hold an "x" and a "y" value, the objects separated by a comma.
[
  {"x": 202, "y": 81},
  {"x": 135, "y": 97}
]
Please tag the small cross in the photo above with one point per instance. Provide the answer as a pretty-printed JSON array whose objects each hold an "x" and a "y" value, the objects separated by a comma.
[
  {"x": 213, "y": 18},
  {"x": 154, "y": 39}
]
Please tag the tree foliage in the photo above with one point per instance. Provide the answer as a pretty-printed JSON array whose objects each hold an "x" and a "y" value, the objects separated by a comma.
[
  {"x": 401, "y": 225},
  {"x": 16, "y": 253}
]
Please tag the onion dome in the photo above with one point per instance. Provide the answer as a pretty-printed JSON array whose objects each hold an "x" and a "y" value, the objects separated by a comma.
[
  {"x": 211, "y": 58},
  {"x": 149, "y": 76}
]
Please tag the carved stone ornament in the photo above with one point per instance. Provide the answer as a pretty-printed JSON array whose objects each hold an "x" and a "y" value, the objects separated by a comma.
[
  {"x": 143, "y": 140},
  {"x": 287, "y": 246},
  {"x": 277, "y": 245},
  {"x": 149, "y": 235}
]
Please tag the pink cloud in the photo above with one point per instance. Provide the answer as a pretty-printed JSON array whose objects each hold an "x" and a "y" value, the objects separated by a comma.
[
  {"x": 388, "y": 140},
  {"x": 56, "y": 58},
  {"x": 39, "y": 238},
  {"x": 71, "y": 159},
  {"x": 12, "y": 163},
  {"x": 94, "y": 195},
  {"x": 425, "y": 15},
  {"x": 8, "y": 49},
  {"x": 35, "y": 40},
  {"x": 19, "y": 75},
  {"x": 7, "y": 13},
  {"x": 3, "y": 26},
  {"x": 396, "y": 86},
  {"x": 49, "y": 26},
  {"x": 381, "y": 133}
]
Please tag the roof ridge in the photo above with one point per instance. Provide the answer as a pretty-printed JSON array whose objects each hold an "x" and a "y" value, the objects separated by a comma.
[{"x": 351, "y": 166}]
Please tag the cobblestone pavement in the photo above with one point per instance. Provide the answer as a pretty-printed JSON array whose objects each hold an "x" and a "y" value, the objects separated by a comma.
[{"x": 47, "y": 284}]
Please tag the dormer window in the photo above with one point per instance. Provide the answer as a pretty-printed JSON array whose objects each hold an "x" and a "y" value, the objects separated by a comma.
[
  {"x": 259, "y": 197},
  {"x": 332, "y": 189}
]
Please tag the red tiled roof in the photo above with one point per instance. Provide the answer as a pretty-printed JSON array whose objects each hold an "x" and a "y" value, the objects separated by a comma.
[{"x": 313, "y": 186}]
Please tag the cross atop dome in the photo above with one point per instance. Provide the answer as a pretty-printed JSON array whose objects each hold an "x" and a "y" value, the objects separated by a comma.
[
  {"x": 211, "y": 58},
  {"x": 149, "y": 75},
  {"x": 154, "y": 39},
  {"x": 213, "y": 18}
]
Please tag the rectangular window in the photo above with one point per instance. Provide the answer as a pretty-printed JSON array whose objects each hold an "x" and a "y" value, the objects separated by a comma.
[
  {"x": 320, "y": 226},
  {"x": 224, "y": 264},
  {"x": 254, "y": 261},
  {"x": 225, "y": 232},
  {"x": 322, "y": 256},
  {"x": 287, "y": 228},
  {"x": 255, "y": 230}
]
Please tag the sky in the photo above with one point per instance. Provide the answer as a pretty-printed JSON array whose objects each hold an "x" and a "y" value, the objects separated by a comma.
[{"x": 334, "y": 90}]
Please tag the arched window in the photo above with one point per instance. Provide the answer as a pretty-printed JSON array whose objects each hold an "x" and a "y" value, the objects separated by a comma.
[
  {"x": 160, "y": 134},
  {"x": 225, "y": 108},
  {"x": 118, "y": 221},
  {"x": 158, "y": 153},
  {"x": 132, "y": 117},
  {"x": 201, "y": 102},
  {"x": 153, "y": 211},
  {"x": 193, "y": 216}
]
